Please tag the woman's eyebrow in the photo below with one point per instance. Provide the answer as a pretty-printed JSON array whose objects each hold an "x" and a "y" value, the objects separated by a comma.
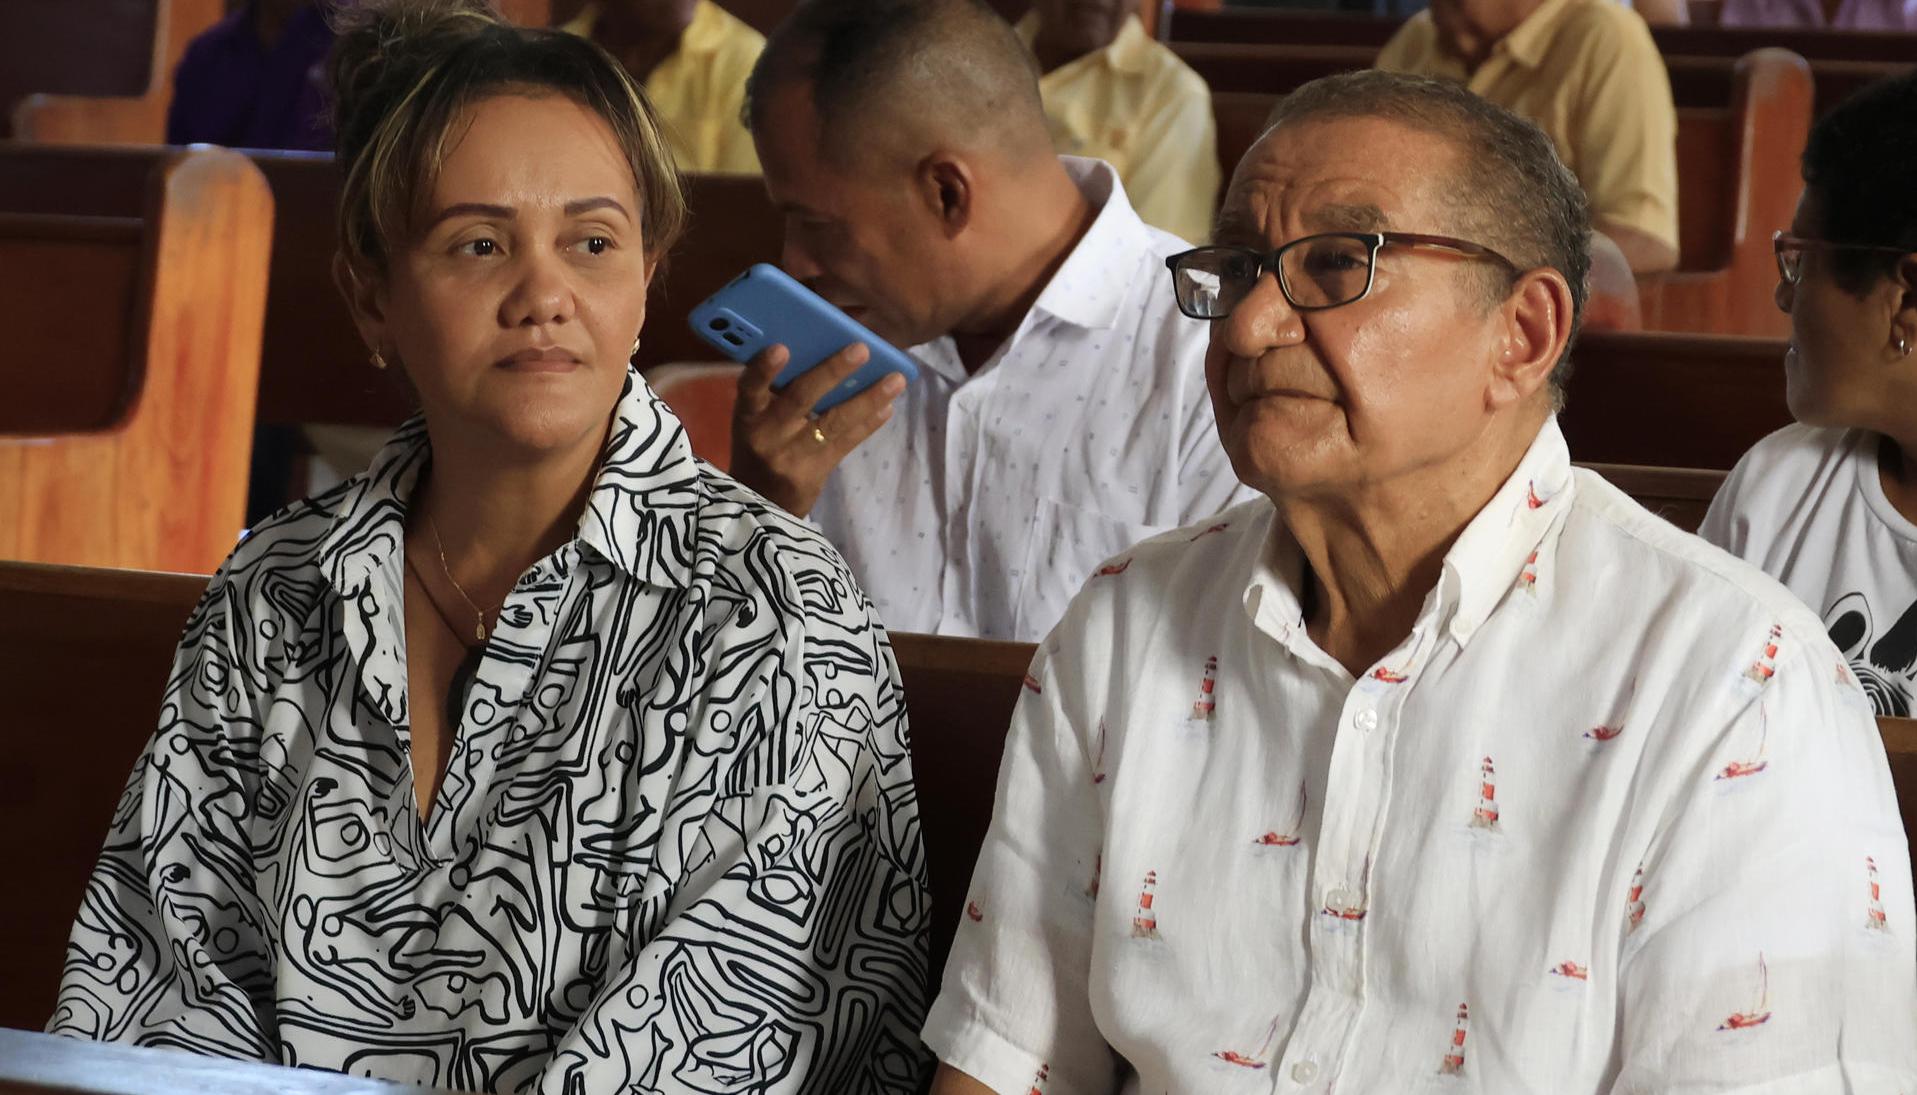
[
  {"x": 476, "y": 209},
  {"x": 586, "y": 205}
]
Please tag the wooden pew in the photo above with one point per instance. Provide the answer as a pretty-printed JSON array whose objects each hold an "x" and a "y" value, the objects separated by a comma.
[
  {"x": 702, "y": 395},
  {"x": 127, "y": 428},
  {"x": 1737, "y": 172},
  {"x": 1679, "y": 495},
  {"x": 1268, "y": 25},
  {"x": 1672, "y": 401},
  {"x": 125, "y": 49},
  {"x": 314, "y": 368}
]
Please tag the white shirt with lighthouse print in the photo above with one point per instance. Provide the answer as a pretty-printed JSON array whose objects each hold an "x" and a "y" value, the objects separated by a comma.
[
  {"x": 1807, "y": 506},
  {"x": 1614, "y": 817}
]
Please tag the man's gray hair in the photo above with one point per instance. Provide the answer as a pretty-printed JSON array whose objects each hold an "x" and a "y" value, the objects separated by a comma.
[{"x": 1512, "y": 193}]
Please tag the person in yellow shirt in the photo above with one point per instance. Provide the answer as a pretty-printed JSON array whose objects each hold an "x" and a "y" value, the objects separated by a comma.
[
  {"x": 1588, "y": 73},
  {"x": 1112, "y": 93},
  {"x": 693, "y": 58}
]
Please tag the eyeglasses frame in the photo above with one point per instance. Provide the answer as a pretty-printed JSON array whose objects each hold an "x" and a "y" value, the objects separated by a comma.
[
  {"x": 1269, "y": 261},
  {"x": 1782, "y": 241}
]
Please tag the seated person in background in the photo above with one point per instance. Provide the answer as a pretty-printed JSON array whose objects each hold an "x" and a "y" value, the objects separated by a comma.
[
  {"x": 1832, "y": 14},
  {"x": 693, "y": 57},
  {"x": 1443, "y": 759},
  {"x": 1588, "y": 73},
  {"x": 1114, "y": 94},
  {"x": 255, "y": 79},
  {"x": 1829, "y": 506},
  {"x": 541, "y": 756},
  {"x": 1060, "y": 409}
]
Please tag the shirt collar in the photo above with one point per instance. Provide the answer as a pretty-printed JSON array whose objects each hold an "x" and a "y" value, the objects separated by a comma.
[
  {"x": 1090, "y": 287},
  {"x": 1129, "y": 51},
  {"x": 641, "y": 515},
  {"x": 1526, "y": 43},
  {"x": 1494, "y": 553}
]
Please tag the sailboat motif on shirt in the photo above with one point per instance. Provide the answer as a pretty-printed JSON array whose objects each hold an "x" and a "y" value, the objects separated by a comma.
[
  {"x": 1098, "y": 762},
  {"x": 1112, "y": 570},
  {"x": 1219, "y": 527},
  {"x": 1294, "y": 832},
  {"x": 1603, "y": 733},
  {"x": 1256, "y": 1059},
  {"x": 1206, "y": 703},
  {"x": 1453, "y": 1062},
  {"x": 1744, "y": 769},
  {"x": 1571, "y": 971},
  {"x": 1760, "y": 1012}
]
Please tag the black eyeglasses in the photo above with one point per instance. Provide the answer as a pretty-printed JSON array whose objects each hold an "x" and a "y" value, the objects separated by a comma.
[
  {"x": 1314, "y": 272},
  {"x": 1790, "y": 253}
]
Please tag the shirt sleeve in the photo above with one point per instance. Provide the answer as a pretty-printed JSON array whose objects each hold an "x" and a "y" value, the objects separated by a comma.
[
  {"x": 1173, "y": 178},
  {"x": 1016, "y": 996},
  {"x": 1623, "y": 137},
  {"x": 169, "y": 945},
  {"x": 778, "y": 943},
  {"x": 1773, "y": 941}
]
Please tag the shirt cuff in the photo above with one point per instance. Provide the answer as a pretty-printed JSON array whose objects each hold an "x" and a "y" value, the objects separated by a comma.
[{"x": 956, "y": 1034}]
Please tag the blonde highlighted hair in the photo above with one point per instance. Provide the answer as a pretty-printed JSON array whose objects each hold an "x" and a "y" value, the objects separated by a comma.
[{"x": 402, "y": 71}]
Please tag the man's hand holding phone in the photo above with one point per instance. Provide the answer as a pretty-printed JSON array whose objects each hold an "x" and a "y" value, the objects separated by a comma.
[{"x": 778, "y": 448}]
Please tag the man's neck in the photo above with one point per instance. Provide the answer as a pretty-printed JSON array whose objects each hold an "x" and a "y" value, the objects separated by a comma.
[
  {"x": 640, "y": 47},
  {"x": 496, "y": 517},
  {"x": 1042, "y": 225},
  {"x": 1373, "y": 557}
]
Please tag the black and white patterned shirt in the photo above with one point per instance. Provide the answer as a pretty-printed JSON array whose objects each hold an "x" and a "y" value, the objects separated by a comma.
[{"x": 676, "y": 848}]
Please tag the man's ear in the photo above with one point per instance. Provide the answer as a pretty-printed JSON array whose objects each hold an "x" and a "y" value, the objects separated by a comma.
[
  {"x": 1536, "y": 329},
  {"x": 365, "y": 297},
  {"x": 1903, "y": 322},
  {"x": 948, "y": 187}
]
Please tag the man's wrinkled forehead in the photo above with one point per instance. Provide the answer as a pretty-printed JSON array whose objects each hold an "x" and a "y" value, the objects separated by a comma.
[{"x": 1322, "y": 176}]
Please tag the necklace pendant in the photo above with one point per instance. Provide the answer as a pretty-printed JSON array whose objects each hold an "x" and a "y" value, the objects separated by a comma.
[{"x": 479, "y": 631}]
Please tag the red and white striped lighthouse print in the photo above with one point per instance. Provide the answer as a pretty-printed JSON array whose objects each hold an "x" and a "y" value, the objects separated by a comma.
[
  {"x": 1486, "y": 814},
  {"x": 1634, "y": 901},
  {"x": 1202, "y": 709},
  {"x": 1038, "y": 1081},
  {"x": 1145, "y": 920},
  {"x": 1765, "y": 667},
  {"x": 1453, "y": 1064},
  {"x": 1874, "y": 913}
]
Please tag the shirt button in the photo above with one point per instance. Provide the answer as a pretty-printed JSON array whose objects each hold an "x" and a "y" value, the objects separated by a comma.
[
  {"x": 1366, "y": 720},
  {"x": 1304, "y": 1072}
]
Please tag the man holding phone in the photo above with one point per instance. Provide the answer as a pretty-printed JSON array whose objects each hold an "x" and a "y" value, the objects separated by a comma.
[{"x": 1060, "y": 413}]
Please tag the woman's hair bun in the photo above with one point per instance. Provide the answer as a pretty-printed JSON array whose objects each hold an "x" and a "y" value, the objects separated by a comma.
[{"x": 382, "y": 51}]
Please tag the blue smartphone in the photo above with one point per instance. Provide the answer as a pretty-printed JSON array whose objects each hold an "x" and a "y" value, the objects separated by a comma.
[{"x": 765, "y": 305}]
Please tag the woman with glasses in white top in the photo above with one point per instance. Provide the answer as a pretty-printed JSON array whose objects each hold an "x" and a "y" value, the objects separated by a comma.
[{"x": 1828, "y": 506}]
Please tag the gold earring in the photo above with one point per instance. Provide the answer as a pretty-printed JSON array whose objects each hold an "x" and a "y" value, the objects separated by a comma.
[
  {"x": 379, "y": 360},
  {"x": 1903, "y": 345},
  {"x": 635, "y": 348}
]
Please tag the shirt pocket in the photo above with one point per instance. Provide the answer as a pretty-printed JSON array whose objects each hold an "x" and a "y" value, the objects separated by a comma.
[{"x": 1067, "y": 543}]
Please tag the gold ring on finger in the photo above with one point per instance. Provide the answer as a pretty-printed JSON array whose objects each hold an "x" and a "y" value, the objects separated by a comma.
[{"x": 818, "y": 435}]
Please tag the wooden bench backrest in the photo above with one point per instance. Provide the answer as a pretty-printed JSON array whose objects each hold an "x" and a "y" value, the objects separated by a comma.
[
  {"x": 1679, "y": 495},
  {"x": 147, "y": 467},
  {"x": 103, "y": 73},
  {"x": 61, "y": 628},
  {"x": 1266, "y": 25},
  {"x": 1673, "y": 401}
]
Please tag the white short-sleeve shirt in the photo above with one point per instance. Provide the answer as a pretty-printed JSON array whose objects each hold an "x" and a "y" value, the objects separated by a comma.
[
  {"x": 987, "y": 499},
  {"x": 1807, "y": 506},
  {"x": 1613, "y": 818}
]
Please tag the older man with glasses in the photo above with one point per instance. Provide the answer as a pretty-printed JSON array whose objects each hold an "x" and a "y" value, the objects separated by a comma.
[{"x": 1444, "y": 766}]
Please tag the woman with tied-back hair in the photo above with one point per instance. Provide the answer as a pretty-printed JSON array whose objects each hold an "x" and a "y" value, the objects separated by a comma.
[
  {"x": 540, "y": 757},
  {"x": 1828, "y": 506}
]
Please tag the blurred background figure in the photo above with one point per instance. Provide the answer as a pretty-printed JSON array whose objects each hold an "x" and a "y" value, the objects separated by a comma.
[
  {"x": 256, "y": 79},
  {"x": 1588, "y": 73},
  {"x": 1833, "y": 14},
  {"x": 1829, "y": 506},
  {"x": 1114, "y": 94},
  {"x": 693, "y": 58}
]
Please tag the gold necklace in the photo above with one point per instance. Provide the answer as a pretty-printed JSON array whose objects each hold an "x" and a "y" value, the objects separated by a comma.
[{"x": 479, "y": 625}]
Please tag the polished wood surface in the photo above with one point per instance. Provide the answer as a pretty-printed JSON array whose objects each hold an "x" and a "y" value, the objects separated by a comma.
[
  {"x": 702, "y": 395},
  {"x": 32, "y": 1064},
  {"x": 1674, "y": 401},
  {"x": 46, "y": 264},
  {"x": 1679, "y": 495},
  {"x": 163, "y": 484},
  {"x": 61, "y": 108}
]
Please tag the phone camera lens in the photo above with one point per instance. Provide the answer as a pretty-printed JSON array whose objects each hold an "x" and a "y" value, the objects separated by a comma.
[{"x": 719, "y": 324}]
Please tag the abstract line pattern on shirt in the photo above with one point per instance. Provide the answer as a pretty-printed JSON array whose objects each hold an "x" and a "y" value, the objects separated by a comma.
[{"x": 675, "y": 849}]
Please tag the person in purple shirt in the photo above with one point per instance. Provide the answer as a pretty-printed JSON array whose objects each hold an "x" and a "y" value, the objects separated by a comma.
[
  {"x": 1830, "y": 14},
  {"x": 255, "y": 79}
]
